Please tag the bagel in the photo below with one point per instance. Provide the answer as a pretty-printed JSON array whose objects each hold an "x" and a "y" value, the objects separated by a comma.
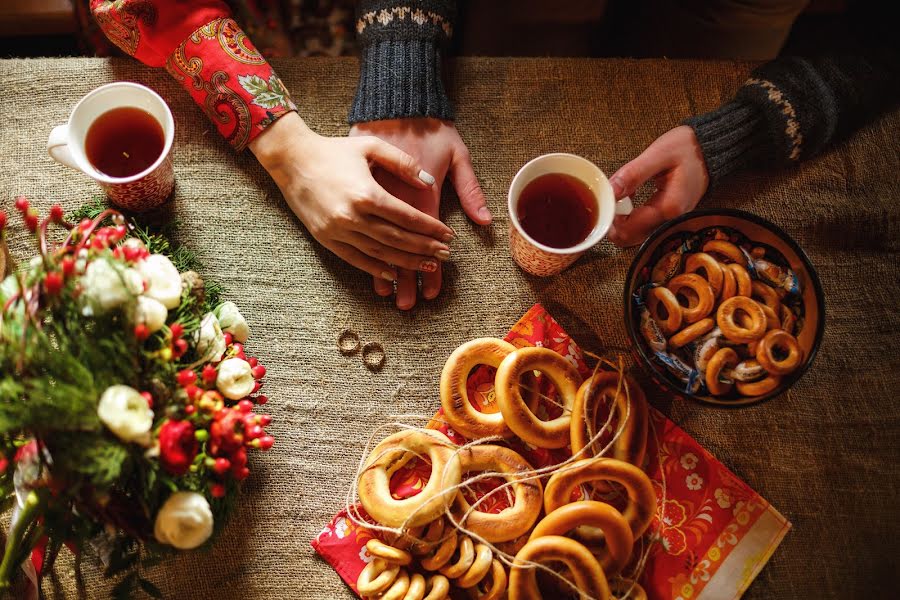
[
  {"x": 758, "y": 388},
  {"x": 705, "y": 296},
  {"x": 586, "y": 571},
  {"x": 726, "y": 249},
  {"x": 497, "y": 588},
  {"x": 725, "y": 358},
  {"x": 518, "y": 415},
  {"x": 631, "y": 444},
  {"x": 741, "y": 279},
  {"x": 788, "y": 320},
  {"x": 767, "y": 295},
  {"x": 513, "y": 521},
  {"x": 393, "y": 453},
  {"x": 616, "y": 532},
  {"x": 458, "y": 410},
  {"x": 729, "y": 283},
  {"x": 641, "y": 498},
  {"x": 701, "y": 261},
  {"x": 780, "y": 340},
  {"x": 377, "y": 577},
  {"x": 379, "y": 549},
  {"x": 691, "y": 333},
  {"x": 660, "y": 296},
  {"x": 727, "y": 313},
  {"x": 625, "y": 589}
]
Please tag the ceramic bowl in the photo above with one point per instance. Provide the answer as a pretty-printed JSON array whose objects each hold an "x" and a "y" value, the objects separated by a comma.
[{"x": 762, "y": 234}]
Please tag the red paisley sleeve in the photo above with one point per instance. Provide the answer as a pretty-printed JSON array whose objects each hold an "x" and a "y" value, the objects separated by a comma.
[{"x": 205, "y": 50}]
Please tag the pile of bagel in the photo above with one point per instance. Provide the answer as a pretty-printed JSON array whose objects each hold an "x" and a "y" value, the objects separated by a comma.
[
  {"x": 733, "y": 329},
  {"x": 444, "y": 544}
]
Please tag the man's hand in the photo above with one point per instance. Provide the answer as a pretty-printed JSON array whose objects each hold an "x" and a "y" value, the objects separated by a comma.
[
  {"x": 675, "y": 163},
  {"x": 438, "y": 147},
  {"x": 329, "y": 185}
]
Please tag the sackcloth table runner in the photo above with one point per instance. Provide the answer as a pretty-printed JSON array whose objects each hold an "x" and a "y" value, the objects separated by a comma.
[{"x": 826, "y": 454}]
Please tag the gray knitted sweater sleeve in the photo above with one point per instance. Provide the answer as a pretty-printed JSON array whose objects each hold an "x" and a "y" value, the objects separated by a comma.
[
  {"x": 401, "y": 43},
  {"x": 793, "y": 108}
]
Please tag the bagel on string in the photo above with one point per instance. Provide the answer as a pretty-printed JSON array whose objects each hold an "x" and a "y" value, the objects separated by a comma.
[
  {"x": 705, "y": 296},
  {"x": 459, "y": 412},
  {"x": 641, "y": 504},
  {"x": 631, "y": 444},
  {"x": 509, "y": 523},
  {"x": 600, "y": 515},
  {"x": 393, "y": 453},
  {"x": 588, "y": 576},
  {"x": 519, "y": 417}
]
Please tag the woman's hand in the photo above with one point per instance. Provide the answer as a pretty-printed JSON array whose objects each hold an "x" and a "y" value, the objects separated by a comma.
[
  {"x": 675, "y": 163},
  {"x": 437, "y": 145},
  {"x": 328, "y": 183}
]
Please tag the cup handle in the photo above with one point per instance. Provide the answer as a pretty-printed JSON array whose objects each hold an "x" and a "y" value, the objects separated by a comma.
[
  {"x": 624, "y": 206},
  {"x": 58, "y": 147}
]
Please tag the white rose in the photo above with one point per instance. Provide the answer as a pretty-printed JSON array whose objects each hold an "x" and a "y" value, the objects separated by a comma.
[
  {"x": 232, "y": 321},
  {"x": 235, "y": 378},
  {"x": 107, "y": 286},
  {"x": 125, "y": 412},
  {"x": 150, "y": 312},
  {"x": 210, "y": 339},
  {"x": 184, "y": 521},
  {"x": 163, "y": 280}
]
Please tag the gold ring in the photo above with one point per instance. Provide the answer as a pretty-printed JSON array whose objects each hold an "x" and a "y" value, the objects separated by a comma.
[
  {"x": 348, "y": 342},
  {"x": 373, "y": 356}
]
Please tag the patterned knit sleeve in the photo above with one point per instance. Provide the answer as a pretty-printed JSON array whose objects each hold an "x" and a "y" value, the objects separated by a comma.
[
  {"x": 401, "y": 43},
  {"x": 203, "y": 48},
  {"x": 793, "y": 108}
]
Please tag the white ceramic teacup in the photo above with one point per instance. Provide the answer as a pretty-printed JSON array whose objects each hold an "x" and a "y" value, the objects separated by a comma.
[
  {"x": 542, "y": 260},
  {"x": 138, "y": 192}
]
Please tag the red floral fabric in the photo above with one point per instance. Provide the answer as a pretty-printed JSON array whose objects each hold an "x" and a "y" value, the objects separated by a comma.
[
  {"x": 715, "y": 533},
  {"x": 202, "y": 47}
]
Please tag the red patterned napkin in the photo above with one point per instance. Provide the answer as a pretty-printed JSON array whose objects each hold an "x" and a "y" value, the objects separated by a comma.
[{"x": 717, "y": 533}]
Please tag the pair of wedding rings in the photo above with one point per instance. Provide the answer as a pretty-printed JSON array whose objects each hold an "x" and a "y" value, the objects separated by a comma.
[{"x": 373, "y": 353}]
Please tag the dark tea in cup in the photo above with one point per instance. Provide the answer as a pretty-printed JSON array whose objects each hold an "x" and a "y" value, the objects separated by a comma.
[
  {"x": 557, "y": 210},
  {"x": 124, "y": 141}
]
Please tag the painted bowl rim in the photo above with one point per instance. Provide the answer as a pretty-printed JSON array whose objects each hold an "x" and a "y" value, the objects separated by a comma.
[{"x": 659, "y": 374}]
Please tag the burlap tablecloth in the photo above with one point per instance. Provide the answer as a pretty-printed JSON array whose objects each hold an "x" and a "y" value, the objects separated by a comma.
[{"x": 825, "y": 454}]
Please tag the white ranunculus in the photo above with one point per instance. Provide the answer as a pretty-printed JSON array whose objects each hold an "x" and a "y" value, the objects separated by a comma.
[
  {"x": 232, "y": 321},
  {"x": 210, "y": 339},
  {"x": 150, "y": 312},
  {"x": 235, "y": 378},
  {"x": 163, "y": 280},
  {"x": 125, "y": 412},
  {"x": 185, "y": 521},
  {"x": 107, "y": 286}
]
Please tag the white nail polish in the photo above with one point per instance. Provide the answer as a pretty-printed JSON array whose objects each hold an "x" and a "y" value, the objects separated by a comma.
[{"x": 426, "y": 177}]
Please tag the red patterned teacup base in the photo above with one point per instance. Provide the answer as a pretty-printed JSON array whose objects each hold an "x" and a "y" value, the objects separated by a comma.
[
  {"x": 535, "y": 260},
  {"x": 146, "y": 193}
]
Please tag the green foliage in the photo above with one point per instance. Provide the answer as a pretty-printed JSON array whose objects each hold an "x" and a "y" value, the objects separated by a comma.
[{"x": 94, "y": 458}]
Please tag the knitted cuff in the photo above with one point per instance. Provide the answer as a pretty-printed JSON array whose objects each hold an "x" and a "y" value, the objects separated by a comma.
[
  {"x": 731, "y": 138},
  {"x": 399, "y": 79}
]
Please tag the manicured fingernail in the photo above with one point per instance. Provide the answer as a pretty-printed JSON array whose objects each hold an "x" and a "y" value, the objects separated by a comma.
[
  {"x": 449, "y": 237},
  {"x": 388, "y": 276},
  {"x": 484, "y": 213},
  {"x": 442, "y": 255},
  {"x": 426, "y": 177},
  {"x": 428, "y": 266}
]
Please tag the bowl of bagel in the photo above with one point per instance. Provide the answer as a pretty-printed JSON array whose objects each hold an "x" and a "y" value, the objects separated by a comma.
[
  {"x": 723, "y": 307},
  {"x": 576, "y": 524}
]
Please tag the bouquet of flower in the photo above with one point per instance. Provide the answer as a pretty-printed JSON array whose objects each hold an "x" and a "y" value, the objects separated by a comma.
[{"x": 126, "y": 398}]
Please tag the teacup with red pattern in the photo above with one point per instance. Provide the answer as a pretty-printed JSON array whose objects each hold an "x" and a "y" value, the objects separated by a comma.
[
  {"x": 120, "y": 135},
  {"x": 560, "y": 205}
]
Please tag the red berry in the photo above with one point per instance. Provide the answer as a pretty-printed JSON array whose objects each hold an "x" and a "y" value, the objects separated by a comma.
[
  {"x": 149, "y": 398},
  {"x": 241, "y": 474},
  {"x": 179, "y": 347},
  {"x": 209, "y": 374},
  {"x": 68, "y": 266},
  {"x": 21, "y": 203},
  {"x": 221, "y": 466},
  {"x": 245, "y": 406},
  {"x": 190, "y": 409},
  {"x": 2, "y": 219},
  {"x": 265, "y": 442},
  {"x": 264, "y": 419},
  {"x": 186, "y": 377},
  {"x": 31, "y": 222},
  {"x": 239, "y": 458},
  {"x": 141, "y": 332},
  {"x": 177, "y": 330},
  {"x": 261, "y": 399},
  {"x": 253, "y": 361},
  {"x": 56, "y": 213},
  {"x": 192, "y": 391},
  {"x": 85, "y": 224},
  {"x": 255, "y": 431},
  {"x": 217, "y": 490},
  {"x": 53, "y": 283},
  {"x": 256, "y": 385},
  {"x": 258, "y": 371},
  {"x": 228, "y": 338},
  {"x": 118, "y": 233}
]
